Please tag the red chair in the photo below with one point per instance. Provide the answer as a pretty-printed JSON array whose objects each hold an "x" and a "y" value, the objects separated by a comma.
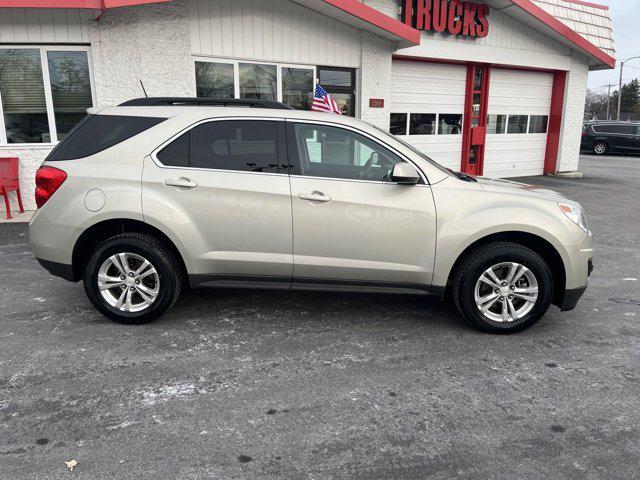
[{"x": 9, "y": 182}]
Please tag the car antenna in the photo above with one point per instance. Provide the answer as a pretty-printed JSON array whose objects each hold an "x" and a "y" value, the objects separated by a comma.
[{"x": 145, "y": 92}]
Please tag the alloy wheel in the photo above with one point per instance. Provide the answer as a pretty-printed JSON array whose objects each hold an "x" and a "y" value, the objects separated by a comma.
[
  {"x": 128, "y": 282},
  {"x": 506, "y": 292},
  {"x": 600, "y": 148}
]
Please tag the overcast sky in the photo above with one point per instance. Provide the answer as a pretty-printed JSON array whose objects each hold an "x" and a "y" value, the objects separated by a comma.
[{"x": 626, "y": 31}]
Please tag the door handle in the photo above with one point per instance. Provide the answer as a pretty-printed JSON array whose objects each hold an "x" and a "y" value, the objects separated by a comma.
[
  {"x": 181, "y": 183},
  {"x": 315, "y": 197}
]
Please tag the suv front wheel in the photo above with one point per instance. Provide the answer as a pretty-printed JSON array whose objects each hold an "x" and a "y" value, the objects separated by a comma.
[
  {"x": 503, "y": 288},
  {"x": 132, "y": 278}
]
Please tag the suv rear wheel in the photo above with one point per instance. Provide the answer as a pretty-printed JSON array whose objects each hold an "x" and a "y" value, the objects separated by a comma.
[
  {"x": 132, "y": 278},
  {"x": 600, "y": 148},
  {"x": 503, "y": 288}
]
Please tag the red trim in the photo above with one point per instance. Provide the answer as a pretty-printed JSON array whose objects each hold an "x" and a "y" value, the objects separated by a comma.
[
  {"x": 559, "y": 27},
  {"x": 555, "y": 123},
  {"x": 88, "y": 4},
  {"x": 588, "y": 4},
  {"x": 377, "y": 18},
  {"x": 83, "y": 4}
]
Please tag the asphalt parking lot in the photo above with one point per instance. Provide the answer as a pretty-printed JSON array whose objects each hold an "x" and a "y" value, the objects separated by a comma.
[{"x": 248, "y": 384}]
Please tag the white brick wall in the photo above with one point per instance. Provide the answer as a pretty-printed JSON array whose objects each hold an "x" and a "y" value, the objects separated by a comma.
[
  {"x": 389, "y": 7},
  {"x": 149, "y": 43},
  {"x": 573, "y": 115},
  {"x": 375, "y": 78}
]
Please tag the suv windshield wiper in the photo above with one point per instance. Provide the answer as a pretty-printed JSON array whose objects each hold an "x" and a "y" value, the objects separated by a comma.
[{"x": 463, "y": 176}]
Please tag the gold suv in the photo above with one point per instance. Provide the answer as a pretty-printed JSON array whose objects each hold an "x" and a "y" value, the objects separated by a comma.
[{"x": 155, "y": 194}]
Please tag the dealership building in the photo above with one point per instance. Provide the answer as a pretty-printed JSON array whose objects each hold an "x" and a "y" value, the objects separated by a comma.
[{"x": 489, "y": 87}]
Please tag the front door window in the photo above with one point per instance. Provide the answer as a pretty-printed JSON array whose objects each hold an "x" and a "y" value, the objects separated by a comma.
[{"x": 331, "y": 152}]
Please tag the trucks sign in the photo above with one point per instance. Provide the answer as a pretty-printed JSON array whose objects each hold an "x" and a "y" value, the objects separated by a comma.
[{"x": 454, "y": 17}]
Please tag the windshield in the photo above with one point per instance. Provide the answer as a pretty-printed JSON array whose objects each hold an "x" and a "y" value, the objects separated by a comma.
[{"x": 415, "y": 150}]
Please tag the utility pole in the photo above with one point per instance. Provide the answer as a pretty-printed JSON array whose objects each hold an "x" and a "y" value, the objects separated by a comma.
[
  {"x": 609, "y": 102},
  {"x": 620, "y": 84}
]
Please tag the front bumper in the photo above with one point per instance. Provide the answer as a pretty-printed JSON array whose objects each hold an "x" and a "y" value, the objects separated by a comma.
[
  {"x": 573, "y": 295},
  {"x": 571, "y": 298}
]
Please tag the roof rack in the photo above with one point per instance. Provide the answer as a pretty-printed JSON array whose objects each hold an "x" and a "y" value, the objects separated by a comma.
[{"x": 203, "y": 102}]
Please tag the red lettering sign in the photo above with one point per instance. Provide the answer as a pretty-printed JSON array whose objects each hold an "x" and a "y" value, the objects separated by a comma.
[
  {"x": 454, "y": 17},
  {"x": 376, "y": 103}
]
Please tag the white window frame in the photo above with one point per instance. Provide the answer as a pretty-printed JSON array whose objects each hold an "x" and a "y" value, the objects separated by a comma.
[
  {"x": 48, "y": 96},
  {"x": 236, "y": 71}
]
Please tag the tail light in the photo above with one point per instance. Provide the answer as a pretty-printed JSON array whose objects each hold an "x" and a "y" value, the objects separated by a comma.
[{"x": 48, "y": 180}]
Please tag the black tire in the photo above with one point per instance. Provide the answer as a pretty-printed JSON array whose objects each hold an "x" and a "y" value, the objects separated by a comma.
[
  {"x": 600, "y": 148},
  {"x": 479, "y": 261},
  {"x": 148, "y": 247}
]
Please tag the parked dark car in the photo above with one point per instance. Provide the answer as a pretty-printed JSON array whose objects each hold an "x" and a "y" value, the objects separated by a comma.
[{"x": 611, "y": 137}]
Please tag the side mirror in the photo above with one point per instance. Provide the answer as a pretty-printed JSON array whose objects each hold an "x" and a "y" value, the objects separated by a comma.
[{"x": 405, "y": 174}]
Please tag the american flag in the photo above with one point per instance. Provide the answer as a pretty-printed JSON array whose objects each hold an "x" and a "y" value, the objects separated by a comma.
[{"x": 322, "y": 102}]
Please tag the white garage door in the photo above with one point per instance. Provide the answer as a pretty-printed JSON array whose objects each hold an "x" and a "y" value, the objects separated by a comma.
[
  {"x": 427, "y": 102},
  {"x": 519, "y": 105}
]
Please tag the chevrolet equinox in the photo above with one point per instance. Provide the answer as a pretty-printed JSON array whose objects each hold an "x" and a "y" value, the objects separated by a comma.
[{"x": 158, "y": 194}]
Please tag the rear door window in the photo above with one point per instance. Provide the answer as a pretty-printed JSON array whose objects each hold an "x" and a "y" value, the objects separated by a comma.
[
  {"x": 96, "y": 133},
  {"x": 243, "y": 145},
  {"x": 237, "y": 145}
]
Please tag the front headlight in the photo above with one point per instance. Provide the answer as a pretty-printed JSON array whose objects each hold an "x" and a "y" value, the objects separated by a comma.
[{"x": 576, "y": 215}]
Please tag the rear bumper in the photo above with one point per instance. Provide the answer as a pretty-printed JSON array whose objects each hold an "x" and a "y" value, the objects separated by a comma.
[{"x": 58, "y": 269}]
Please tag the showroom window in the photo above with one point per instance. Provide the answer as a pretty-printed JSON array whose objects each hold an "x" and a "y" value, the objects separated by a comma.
[
  {"x": 44, "y": 93},
  {"x": 291, "y": 84},
  {"x": 297, "y": 87},
  {"x": 340, "y": 83},
  {"x": 214, "y": 80}
]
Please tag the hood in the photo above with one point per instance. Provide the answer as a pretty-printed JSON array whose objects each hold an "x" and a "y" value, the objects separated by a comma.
[{"x": 516, "y": 188}]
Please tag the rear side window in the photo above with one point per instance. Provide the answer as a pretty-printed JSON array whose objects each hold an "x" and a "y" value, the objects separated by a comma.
[
  {"x": 99, "y": 132},
  {"x": 176, "y": 154},
  {"x": 242, "y": 145},
  {"x": 238, "y": 145}
]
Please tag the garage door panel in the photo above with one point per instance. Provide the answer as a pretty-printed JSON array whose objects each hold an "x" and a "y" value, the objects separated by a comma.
[
  {"x": 514, "y": 155},
  {"x": 421, "y": 87},
  {"x": 446, "y": 150},
  {"x": 432, "y": 88},
  {"x": 514, "y": 92}
]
